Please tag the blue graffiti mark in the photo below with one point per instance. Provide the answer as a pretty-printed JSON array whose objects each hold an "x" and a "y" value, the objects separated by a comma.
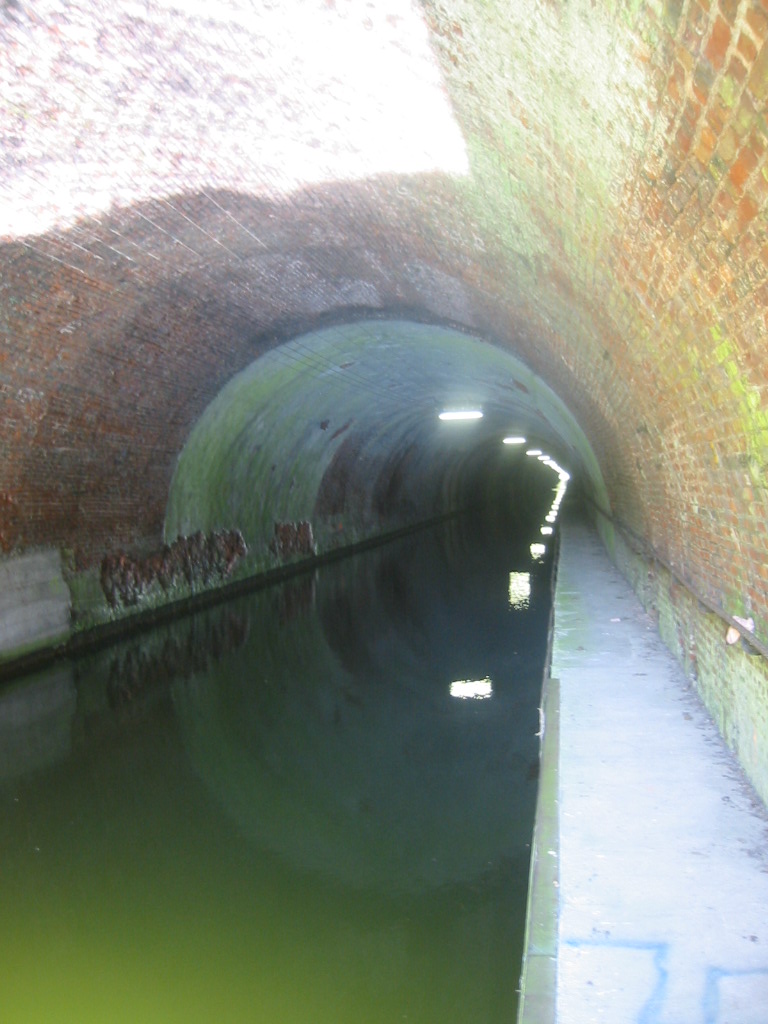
[
  {"x": 712, "y": 988},
  {"x": 650, "y": 1010}
]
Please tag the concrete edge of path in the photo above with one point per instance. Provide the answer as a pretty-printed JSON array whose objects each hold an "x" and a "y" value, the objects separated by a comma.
[{"x": 538, "y": 981}]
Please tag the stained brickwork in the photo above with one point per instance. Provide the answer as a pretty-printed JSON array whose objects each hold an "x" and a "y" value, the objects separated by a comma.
[{"x": 584, "y": 184}]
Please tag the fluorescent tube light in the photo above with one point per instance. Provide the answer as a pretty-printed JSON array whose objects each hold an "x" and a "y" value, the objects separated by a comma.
[{"x": 461, "y": 414}]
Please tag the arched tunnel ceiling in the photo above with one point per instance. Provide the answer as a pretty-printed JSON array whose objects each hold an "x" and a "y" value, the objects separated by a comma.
[
  {"x": 187, "y": 186},
  {"x": 341, "y": 427}
]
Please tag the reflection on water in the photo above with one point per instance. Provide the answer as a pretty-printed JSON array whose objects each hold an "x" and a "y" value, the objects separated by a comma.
[
  {"x": 477, "y": 689},
  {"x": 520, "y": 589},
  {"x": 276, "y": 811}
]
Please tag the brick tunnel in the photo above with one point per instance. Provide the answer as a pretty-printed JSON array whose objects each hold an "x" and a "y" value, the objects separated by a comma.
[{"x": 249, "y": 253}]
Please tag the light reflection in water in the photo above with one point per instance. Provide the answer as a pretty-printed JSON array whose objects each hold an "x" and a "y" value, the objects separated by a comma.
[
  {"x": 519, "y": 590},
  {"x": 478, "y": 689}
]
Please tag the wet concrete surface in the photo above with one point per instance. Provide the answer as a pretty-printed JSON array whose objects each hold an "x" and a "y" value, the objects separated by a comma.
[{"x": 663, "y": 858}]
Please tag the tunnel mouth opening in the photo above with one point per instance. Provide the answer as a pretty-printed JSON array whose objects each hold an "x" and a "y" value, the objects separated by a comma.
[{"x": 335, "y": 437}]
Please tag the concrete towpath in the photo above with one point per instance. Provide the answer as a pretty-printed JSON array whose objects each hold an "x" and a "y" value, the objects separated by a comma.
[{"x": 663, "y": 846}]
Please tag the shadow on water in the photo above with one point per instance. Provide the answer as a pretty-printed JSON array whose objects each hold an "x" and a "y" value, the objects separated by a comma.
[{"x": 276, "y": 809}]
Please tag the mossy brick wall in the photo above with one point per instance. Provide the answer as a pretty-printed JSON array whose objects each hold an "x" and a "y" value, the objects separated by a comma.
[
  {"x": 583, "y": 184},
  {"x": 731, "y": 679}
]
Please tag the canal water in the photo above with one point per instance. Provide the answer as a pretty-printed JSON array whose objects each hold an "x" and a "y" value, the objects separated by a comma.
[{"x": 310, "y": 804}]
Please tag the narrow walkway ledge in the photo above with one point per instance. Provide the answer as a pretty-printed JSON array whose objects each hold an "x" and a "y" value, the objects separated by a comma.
[{"x": 663, "y": 866}]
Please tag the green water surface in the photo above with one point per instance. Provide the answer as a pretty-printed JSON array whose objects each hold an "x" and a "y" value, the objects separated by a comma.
[{"x": 275, "y": 811}]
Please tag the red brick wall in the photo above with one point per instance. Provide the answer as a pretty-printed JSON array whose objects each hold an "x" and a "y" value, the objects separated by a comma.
[
  {"x": 108, "y": 366},
  {"x": 645, "y": 179}
]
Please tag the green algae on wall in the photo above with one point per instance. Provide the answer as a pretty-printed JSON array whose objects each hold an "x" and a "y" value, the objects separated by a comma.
[
  {"x": 753, "y": 418},
  {"x": 731, "y": 680}
]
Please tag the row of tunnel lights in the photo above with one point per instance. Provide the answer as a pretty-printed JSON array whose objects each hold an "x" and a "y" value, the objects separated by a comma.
[
  {"x": 519, "y": 583},
  {"x": 547, "y": 460}
]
